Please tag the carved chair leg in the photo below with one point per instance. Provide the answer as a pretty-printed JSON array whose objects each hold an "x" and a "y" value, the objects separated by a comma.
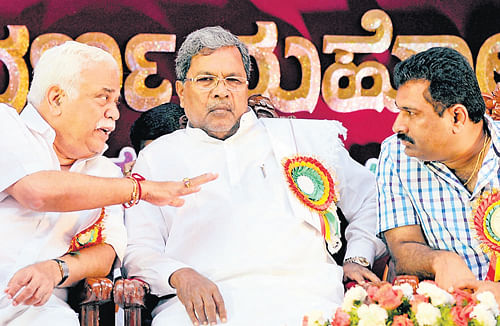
[
  {"x": 132, "y": 316},
  {"x": 89, "y": 315}
]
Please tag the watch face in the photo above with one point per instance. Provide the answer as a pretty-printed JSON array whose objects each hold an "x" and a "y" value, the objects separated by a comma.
[
  {"x": 358, "y": 260},
  {"x": 363, "y": 261}
]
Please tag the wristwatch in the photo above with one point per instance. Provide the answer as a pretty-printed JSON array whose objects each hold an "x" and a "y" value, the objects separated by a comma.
[
  {"x": 358, "y": 260},
  {"x": 63, "y": 268}
]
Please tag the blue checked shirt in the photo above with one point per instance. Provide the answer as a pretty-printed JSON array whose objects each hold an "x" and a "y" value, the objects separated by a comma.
[{"x": 414, "y": 192}]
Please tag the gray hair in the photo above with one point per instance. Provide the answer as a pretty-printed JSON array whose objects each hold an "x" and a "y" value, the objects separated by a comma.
[
  {"x": 208, "y": 38},
  {"x": 62, "y": 66}
]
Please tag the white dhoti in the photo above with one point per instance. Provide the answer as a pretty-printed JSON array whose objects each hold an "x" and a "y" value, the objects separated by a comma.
[
  {"x": 55, "y": 312},
  {"x": 264, "y": 300}
]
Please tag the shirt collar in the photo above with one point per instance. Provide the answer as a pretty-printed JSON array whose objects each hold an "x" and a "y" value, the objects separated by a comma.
[
  {"x": 494, "y": 128},
  {"x": 34, "y": 121},
  {"x": 247, "y": 121}
]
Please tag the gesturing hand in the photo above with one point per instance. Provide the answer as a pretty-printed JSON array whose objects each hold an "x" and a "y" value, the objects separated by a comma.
[
  {"x": 199, "y": 295},
  {"x": 358, "y": 273},
  {"x": 170, "y": 192},
  {"x": 38, "y": 281}
]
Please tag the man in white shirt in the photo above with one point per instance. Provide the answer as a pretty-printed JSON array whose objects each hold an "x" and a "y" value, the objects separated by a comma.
[
  {"x": 51, "y": 160},
  {"x": 249, "y": 249}
]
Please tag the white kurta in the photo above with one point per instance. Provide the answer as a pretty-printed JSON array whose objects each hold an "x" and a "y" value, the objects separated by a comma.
[
  {"x": 241, "y": 231},
  {"x": 27, "y": 236}
]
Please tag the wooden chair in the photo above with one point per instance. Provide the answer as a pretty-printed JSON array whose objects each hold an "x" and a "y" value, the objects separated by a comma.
[
  {"x": 132, "y": 295},
  {"x": 91, "y": 298}
]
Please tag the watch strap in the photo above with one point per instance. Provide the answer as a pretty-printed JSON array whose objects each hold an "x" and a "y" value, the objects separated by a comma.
[
  {"x": 358, "y": 260},
  {"x": 63, "y": 268}
]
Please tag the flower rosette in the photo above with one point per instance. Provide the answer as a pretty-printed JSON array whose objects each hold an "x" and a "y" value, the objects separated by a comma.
[
  {"x": 486, "y": 223},
  {"x": 90, "y": 236},
  {"x": 313, "y": 185}
]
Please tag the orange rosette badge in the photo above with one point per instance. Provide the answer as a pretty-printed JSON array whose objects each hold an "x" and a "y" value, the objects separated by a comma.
[{"x": 486, "y": 223}]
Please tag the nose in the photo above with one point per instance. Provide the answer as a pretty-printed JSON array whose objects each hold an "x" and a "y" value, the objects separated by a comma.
[
  {"x": 220, "y": 89},
  {"x": 400, "y": 125},
  {"x": 112, "y": 112}
]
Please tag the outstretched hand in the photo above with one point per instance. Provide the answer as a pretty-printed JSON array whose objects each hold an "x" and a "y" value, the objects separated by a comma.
[
  {"x": 200, "y": 297},
  {"x": 33, "y": 284},
  {"x": 170, "y": 192}
]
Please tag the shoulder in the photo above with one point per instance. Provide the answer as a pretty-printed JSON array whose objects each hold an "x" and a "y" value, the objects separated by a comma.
[
  {"x": 9, "y": 115},
  {"x": 391, "y": 146},
  {"x": 319, "y": 129},
  {"x": 101, "y": 166}
]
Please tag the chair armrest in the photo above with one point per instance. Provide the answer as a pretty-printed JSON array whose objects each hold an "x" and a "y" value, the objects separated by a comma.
[
  {"x": 96, "y": 291},
  {"x": 130, "y": 292}
]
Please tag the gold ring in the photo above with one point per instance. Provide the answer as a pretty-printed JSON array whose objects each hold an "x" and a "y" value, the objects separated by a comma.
[{"x": 187, "y": 182}]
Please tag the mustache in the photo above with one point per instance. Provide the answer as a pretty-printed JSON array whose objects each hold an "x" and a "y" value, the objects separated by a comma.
[
  {"x": 218, "y": 105},
  {"x": 405, "y": 137}
]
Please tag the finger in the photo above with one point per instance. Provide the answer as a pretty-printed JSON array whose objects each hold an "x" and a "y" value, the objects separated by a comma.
[
  {"x": 25, "y": 294},
  {"x": 202, "y": 179},
  {"x": 44, "y": 299},
  {"x": 200, "y": 310},
  {"x": 190, "y": 311},
  {"x": 467, "y": 284},
  {"x": 356, "y": 276},
  {"x": 221, "y": 308},
  {"x": 37, "y": 295},
  {"x": 175, "y": 202},
  {"x": 369, "y": 275},
  {"x": 210, "y": 309},
  {"x": 16, "y": 283}
]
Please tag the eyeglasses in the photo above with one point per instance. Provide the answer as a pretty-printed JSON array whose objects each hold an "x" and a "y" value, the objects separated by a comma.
[{"x": 209, "y": 82}]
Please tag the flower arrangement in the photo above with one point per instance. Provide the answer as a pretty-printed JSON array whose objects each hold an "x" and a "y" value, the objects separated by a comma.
[{"x": 384, "y": 304}]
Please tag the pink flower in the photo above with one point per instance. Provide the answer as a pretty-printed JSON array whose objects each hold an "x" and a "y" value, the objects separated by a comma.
[
  {"x": 418, "y": 298},
  {"x": 371, "y": 290},
  {"x": 387, "y": 297},
  {"x": 460, "y": 315},
  {"x": 402, "y": 320},
  {"x": 462, "y": 298},
  {"x": 341, "y": 318}
]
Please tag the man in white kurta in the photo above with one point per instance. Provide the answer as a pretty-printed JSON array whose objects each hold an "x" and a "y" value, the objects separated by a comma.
[
  {"x": 29, "y": 236},
  {"x": 245, "y": 231},
  {"x": 245, "y": 249}
]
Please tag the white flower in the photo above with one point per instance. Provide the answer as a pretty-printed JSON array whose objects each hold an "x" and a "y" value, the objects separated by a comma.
[
  {"x": 488, "y": 299},
  {"x": 372, "y": 315},
  {"x": 483, "y": 314},
  {"x": 427, "y": 314},
  {"x": 437, "y": 295},
  {"x": 315, "y": 318},
  {"x": 356, "y": 293},
  {"x": 406, "y": 288}
]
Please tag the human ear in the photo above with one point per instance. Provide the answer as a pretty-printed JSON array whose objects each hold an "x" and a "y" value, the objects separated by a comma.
[
  {"x": 459, "y": 116},
  {"x": 179, "y": 88},
  {"x": 54, "y": 98}
]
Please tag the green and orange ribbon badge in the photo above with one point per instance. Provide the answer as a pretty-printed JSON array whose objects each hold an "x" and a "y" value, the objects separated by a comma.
[
  {"x": 313, "y": 185},
  {"x": 486, "y": 223},
  {"x": 89, "y": 237}
]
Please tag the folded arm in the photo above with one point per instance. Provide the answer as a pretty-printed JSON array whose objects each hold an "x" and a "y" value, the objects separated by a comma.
[{"x": 413, "y": 256}]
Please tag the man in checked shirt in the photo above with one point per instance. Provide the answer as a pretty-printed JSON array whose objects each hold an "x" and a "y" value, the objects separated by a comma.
[{"x": 442, "y": 160}]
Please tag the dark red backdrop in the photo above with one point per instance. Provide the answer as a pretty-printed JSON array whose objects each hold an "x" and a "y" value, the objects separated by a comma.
[{"x": 474, "y": 21}]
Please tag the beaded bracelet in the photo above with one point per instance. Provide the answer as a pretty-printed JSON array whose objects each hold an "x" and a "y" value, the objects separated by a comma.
[{"x": 136, "y": 195}]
